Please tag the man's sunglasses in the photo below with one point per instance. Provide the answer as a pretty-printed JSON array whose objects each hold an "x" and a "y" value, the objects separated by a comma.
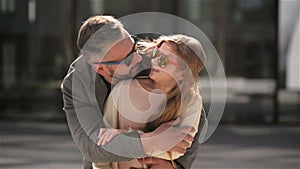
[
  {"x": 126, "y": 60},
  {"x": 162, "y": 59}
]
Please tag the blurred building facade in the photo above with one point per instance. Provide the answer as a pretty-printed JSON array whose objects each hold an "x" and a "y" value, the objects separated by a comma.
[{"x": 38, "y": 44}]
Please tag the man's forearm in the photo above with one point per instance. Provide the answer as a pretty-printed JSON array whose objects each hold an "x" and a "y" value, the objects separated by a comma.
[
  {"x": 84, "y": 134},
  {"x": 111, "y": 152}
]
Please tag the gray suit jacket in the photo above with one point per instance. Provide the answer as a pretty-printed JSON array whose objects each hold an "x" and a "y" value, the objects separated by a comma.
[{"x": 84, "y": 95}]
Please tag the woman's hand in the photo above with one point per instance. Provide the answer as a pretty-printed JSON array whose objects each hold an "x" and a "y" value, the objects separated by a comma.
[{"x": 106, "y": 135}]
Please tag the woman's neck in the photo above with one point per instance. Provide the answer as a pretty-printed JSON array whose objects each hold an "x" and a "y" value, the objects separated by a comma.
[{"x": 150, "y": 85}]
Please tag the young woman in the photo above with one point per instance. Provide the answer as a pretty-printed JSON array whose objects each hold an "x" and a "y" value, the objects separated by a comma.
[{"x": 171, "y": 91}]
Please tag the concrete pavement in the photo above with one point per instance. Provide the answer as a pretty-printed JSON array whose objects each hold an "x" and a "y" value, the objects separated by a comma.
[{"x": 34, "y": 145}]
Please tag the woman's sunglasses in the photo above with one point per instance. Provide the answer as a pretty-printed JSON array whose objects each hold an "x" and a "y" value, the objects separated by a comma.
[{"x": 162, "y": 59}]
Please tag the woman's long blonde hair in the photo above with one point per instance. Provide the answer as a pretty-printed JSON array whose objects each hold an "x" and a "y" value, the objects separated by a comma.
[{"x": 190, "y": 51}]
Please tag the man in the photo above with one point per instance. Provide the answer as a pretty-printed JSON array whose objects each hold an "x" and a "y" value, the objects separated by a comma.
[{"x": 87, "y": 85}]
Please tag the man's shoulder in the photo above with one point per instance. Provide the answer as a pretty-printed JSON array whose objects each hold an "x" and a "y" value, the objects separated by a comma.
[
  {"x": 81, "y": 67},
  {"x": 80, "y": 71}
]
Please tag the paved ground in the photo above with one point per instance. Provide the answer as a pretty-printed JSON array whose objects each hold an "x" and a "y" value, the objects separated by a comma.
[{"x": 35, "y": 145}]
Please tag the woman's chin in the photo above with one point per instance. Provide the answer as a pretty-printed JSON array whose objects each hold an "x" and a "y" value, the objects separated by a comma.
[
  {"x": 154, "y": 70},
  {"x": 152, "y": 75}
]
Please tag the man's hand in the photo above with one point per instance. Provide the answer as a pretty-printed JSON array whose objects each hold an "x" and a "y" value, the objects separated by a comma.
[
  {"x": 156, "y": 163},
  {"x": 167, "y": 137},
  {"x": 106, "y": 135},
  {"x": 185, "y": 143}
]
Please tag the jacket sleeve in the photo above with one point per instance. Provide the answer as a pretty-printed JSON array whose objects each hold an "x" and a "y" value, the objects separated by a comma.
[{"x": 85, "y": 136}]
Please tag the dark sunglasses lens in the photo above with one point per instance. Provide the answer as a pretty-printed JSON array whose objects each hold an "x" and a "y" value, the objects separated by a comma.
[{"x": 162, "y": 61}]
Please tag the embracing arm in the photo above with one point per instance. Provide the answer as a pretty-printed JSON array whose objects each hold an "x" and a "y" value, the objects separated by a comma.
[
  {"x": 197, "y": 118},
  {"x": 185, "y": 161},
  {"x": 85, "y": 137},
  {"x": 190, "y": 118}
]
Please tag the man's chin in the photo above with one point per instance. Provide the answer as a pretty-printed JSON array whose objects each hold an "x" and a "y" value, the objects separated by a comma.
[
  {"x": 137, "y": 72},
  {"x": 134, "y": 72}
]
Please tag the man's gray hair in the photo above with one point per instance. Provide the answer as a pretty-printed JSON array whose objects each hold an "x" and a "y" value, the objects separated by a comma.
[{"x": 104, "y": 39}]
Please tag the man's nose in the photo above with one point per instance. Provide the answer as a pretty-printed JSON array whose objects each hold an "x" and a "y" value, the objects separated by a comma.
[
  {"x": 136, "y": 57},
  {"x": 139, "y": 57}
]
